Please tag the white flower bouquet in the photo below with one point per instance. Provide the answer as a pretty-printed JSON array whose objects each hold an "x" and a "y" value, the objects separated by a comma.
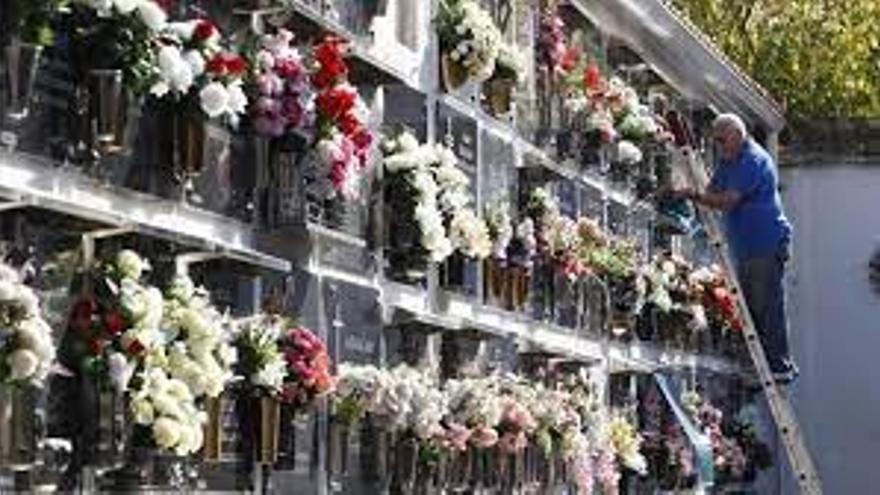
[
  {"x": 469, "y": 37},
  {"x": 26, "y": 348},
  {"x": 167, "y": 407},
  {"x": 197, "y": 340}
]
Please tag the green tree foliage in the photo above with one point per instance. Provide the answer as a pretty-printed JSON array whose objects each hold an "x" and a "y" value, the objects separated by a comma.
[{"x": 820, "y": 58}]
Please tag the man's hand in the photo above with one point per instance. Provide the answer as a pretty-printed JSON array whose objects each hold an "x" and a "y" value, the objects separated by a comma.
[{"x": 681, "y": 193}]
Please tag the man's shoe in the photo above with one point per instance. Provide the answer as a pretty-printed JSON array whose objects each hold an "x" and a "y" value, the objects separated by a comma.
[
  {"x": 784, "y": 377},
  {"x": 787, "y": 376}
]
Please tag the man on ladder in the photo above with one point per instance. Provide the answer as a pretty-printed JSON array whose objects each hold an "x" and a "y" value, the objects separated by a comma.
[{"x": 745, "y": 187}]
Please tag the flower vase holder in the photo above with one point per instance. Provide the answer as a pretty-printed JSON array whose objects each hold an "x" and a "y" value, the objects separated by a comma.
[
  {"x": 108, "y": 110},
  {"x": 373, "y": 456},
  {"x": 496, "y": 281},
  {"x": 452, "y": 74},
  {"x": 338, "y": 433},
  {"x": 213, "y": 430},
  {"x": 21, "y": 61},
  {"x": 18, "y": 427},
  {"x": 405, "y": 466},
  {"x": 268, "y": 430},
  {"x": 499, "y": 94},
  {"x": 520, "y": 283}
]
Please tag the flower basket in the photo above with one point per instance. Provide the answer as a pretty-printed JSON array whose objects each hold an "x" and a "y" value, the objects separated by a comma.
[
  {"x": 453, "y": 74},
  {"x": 499, "y": 94},
  {"x": 18, "y": 427}
]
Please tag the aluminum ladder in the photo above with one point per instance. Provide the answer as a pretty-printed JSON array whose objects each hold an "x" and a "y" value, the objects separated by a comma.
[{"x": 780, "y": 407}]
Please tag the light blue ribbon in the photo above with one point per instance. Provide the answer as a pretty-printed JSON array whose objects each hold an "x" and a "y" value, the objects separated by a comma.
[{"x": 705, "y": 462}]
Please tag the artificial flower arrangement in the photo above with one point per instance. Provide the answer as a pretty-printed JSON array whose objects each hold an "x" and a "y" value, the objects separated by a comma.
[
  {"x": 668, "y": 294},
  {"x": 552, "y": 43},
  {"x": 185, "y": 61},
  {"x": 729, "y": 459},
  {"x": 504, "y": 414},
  {"x": 469, "y": 40},
  {"x": 428, "y": 197},
  {"x": 306, "y": 92},
  {"x": 163, "y": 354},
  {"x": 667, "y": 449},
  {"x": 27, "y": 353},
  {"x": 711, "y": 286}
]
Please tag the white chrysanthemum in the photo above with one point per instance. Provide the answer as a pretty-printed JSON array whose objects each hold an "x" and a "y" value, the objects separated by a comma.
[
  {"x": 152, "y": 14},
  {"x": 23, "y": 364},
  {"x": 628, "y": 153},
  {"x": 214, "y": 99}
]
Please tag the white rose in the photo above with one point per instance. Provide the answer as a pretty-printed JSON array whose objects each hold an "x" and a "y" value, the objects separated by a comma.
[
  {"x": 130, "y": 264},
  {"x": 126, "y": 6},
  {"x": 166, "y": 405},
  {"x": 152, "y": 14},
  {"x": 160, "y": 89},
  {"x": 179, "y": 390},
  {"x": 272, "y": 375},
  {"x": 183, "y": 30},
  {"x": 23, "y": 363},
  {"x": 8, "y": 290},
  {"x": 168, "y": 58},
  {"x": 187, "y": 442},
  {"x": 121, "y": 371},
  {"x": 196, "y": 62},
  {"x": 9, "y": 274},
  {"x": 166, "y": 433},
  {"x": 237, "y": 99},
  {"x": 143, "y": 411},
  {"x": 102, "y": 6},
  {"x": 181, "y": 76},
  {"x": 28, "y": 300},
  {"x": 408, "y": 142},
  {"x": 214, "y": 99}
]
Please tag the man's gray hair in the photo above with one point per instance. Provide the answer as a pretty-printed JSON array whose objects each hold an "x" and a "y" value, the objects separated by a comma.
[{"x": 730, "y": 121}]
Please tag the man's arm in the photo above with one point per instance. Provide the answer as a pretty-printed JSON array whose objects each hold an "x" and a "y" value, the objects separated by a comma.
[{"x": 718, "y": 200}]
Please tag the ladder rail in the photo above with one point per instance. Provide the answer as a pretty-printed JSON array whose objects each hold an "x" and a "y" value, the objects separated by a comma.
[{"x": 781, "y": 409}]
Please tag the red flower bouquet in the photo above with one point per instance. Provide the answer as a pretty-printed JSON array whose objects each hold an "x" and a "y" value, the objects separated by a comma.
[{"x": 308, "y": 368}]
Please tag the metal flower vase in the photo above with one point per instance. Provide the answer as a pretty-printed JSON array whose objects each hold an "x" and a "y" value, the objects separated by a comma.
[
  {"x": 189, "y": 133},
  {"x": 21, "y": 61},
  {"x": 108, "y": 110},
  {"x": 269, "y": 427},
  {"x": 453, "y": 74},
  {"x": 18, "y": 427},
  {"x": 213, "y": 430}
]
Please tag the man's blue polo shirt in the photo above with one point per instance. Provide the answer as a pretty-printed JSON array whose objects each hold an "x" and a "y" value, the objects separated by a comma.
[{"x": 757, "y": 226}]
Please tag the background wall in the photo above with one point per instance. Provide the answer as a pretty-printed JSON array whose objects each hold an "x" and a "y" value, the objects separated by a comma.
[{"x": 835, "y": 320}]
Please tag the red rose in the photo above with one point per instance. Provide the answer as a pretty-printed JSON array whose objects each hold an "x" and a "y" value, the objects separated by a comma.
[
  {"x": 570, "y": 59},
  {"x": 235, "y": 64},
  {"x": 135, "y": 348},
  {"x": 349, "y": 124},
  {"x": 216, "y": 65},
  {"x": 336, "y": 101},
  {"x": 204, "y": 30},
  {"x": 592, "y": 77},
  {"x": 114, "y": 322},
  {"x": 331, "y": 62},
  {"x": 97, "y": 345},
  {"x": 81, "y": 315}
]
